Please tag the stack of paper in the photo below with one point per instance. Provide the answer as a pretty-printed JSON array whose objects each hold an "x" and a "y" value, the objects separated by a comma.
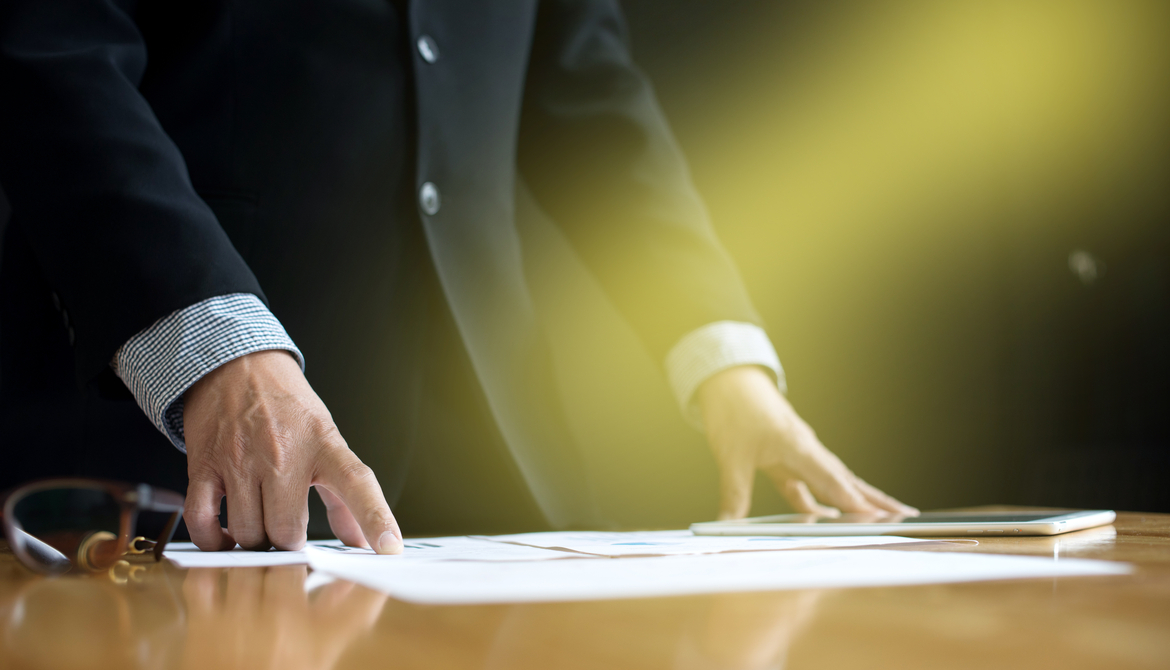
[
  {"x": 534, "y": 567},
  {"x": 529, "y": 547},
  {"x": 187, "y": 555},
  {"x": 680, "y": 542},
  {"x": 465, "y": 583}
]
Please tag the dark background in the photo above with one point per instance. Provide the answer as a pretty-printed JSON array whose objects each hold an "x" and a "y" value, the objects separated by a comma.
[{"x": 952, "y": 354}]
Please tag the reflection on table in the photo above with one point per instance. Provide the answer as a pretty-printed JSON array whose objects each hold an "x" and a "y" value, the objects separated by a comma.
[{"x": 158, "y": 616}]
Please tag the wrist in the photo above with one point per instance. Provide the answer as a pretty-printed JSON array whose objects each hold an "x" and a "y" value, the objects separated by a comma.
[
  {"x": 163, "y": 362},
  {"x": 731, "y": 393},
  {"x": 279, "y": 365}
]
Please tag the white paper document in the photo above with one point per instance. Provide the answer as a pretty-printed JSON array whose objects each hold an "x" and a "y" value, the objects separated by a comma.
[
  {"x": 532, "y": 547},
  {"x": 187, "y": 555},
  {"x": 679, "y": 542},
  {"x": 471, "y": 549},
  {"x": 526, "y": 547},
  {"x": 469, "y": 582}
]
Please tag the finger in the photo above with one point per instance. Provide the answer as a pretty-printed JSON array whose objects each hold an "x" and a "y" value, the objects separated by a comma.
[
  {"x": 735, "y": 488},
  {"x": 246, "y": 514},
  {"x": 883, "y": 500},
  {"x": 345, "y": 475},
  {"x": 797, "y": 494},
  {"x": 344, "y": 526},
  {"x": 832, "y": 482},
  {"x": 201, "y": 512},
  {"x": 286, "y": 512}
]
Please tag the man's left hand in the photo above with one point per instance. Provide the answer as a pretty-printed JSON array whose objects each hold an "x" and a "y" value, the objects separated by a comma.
[{"x": 751, "y": 425}]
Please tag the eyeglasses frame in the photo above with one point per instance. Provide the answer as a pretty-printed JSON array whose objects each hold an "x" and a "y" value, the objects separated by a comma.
[{"x": 131, "y": 498}]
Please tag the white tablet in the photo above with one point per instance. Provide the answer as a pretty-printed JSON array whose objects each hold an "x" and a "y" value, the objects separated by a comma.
[{"x": 925, "y": 525}]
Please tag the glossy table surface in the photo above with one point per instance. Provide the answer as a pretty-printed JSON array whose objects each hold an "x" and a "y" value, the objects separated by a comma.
[{"x": 163, "y": 617}]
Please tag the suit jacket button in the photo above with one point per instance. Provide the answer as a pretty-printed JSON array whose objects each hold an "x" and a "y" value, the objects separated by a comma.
[
  {"x": 428, "y": 198},
  {"x": 428, "y": 49}
]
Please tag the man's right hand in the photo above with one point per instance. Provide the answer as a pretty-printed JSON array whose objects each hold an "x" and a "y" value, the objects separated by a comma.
[{"x": 257, "y": 433}]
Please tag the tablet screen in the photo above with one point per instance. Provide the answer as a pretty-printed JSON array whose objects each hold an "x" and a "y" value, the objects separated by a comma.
[
  {"x": 927, "y": 517},
  {"x": 1024, "y": 522}
]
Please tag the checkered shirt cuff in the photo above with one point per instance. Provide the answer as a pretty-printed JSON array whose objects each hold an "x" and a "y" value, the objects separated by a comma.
[{"x": 160, "y": 363}]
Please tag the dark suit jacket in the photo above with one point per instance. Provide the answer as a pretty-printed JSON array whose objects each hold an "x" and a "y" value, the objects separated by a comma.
[{"x": 160, "y": 152}]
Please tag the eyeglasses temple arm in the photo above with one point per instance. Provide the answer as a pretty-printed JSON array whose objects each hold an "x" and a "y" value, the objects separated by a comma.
[
  {"x": 162, "y": 500},
  {"x": 167, "y": 533}
]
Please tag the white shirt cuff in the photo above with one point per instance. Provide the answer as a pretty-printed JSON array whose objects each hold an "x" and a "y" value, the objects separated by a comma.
[
  {"x": 160, "y": 363},
  {"x": 712, "y": 348}
]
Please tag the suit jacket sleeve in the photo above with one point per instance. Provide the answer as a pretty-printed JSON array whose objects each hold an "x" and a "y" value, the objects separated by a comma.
[
  {"x": 100, "y": 190},
  {"x": 598, "y": 156}
]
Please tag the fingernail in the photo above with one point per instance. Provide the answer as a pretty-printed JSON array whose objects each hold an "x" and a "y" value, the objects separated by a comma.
[{"x": 389, "y": 543}]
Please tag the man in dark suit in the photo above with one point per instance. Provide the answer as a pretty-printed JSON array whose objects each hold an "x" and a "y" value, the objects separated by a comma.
[{"x": 198, "y": 185}]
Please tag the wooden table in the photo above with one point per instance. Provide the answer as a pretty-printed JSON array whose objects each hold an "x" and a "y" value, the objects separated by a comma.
[{"x": 253, "y": 618}]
